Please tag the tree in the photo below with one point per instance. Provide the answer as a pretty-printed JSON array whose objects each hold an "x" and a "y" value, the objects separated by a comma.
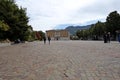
[
  {"x": 113, "y": 22},
  {"x": 15, "y": 18},
  {"x": 3, "y": 26},
  {"x": 42, "y": 35},
  {"x": 82, "y": 34},
  {"x": 97, "y": 30},
  {"x": 38, "y": 35}
]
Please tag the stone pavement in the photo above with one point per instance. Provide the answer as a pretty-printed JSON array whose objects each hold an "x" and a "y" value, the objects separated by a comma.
[
  {"x": 4, "y": 44},
  {"x": 61, "y": 60}
]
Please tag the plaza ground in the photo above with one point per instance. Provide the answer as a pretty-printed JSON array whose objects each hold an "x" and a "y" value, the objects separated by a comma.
[{"x": 61, "y": 60}]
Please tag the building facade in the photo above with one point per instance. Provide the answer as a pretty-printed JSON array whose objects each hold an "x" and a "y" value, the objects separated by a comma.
[{"x": 58, "y": 34}]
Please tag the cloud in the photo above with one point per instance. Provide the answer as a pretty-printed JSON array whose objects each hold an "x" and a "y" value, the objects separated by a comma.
[{"x": 46, "y": 14}]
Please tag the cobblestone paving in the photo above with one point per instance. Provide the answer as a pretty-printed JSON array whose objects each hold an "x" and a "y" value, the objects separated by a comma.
[{"x": 61, "y": 60}]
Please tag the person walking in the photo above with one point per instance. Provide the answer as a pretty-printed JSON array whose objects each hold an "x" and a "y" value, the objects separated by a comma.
[
  {"x": 118, "y": 33},
  {"x": 108, "y": 37},
  {"x": 49, "y": 39},
  {"x": 44, "y": 39},
  {"x": 105, "y": 37},
  {"x": 119, "y": 37}
]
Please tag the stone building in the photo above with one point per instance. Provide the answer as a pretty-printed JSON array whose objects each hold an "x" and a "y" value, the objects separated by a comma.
[{"x": 58, "y": 34}]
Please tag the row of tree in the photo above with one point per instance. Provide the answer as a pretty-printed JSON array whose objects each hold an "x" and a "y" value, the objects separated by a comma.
[
  {"x": 14, "y": 23},
  {"x": 97, "y": 30}
]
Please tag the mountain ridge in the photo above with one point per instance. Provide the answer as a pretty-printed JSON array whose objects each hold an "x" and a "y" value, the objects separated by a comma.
[{"x": 73, "y": 29}]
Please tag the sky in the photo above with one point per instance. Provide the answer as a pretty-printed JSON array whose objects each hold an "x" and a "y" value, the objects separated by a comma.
[{"x": 48, "y": 14}]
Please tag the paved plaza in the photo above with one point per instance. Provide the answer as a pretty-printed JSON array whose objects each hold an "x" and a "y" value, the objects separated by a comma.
[{"x": 61, "y": 60}]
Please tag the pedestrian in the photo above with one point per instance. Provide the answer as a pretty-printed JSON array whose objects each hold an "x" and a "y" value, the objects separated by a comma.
[
  {"x": 119, "y": 37},
  {"x": 49, "y": 39},
  {"x": 105, "y": 37},
  {"x": 118, "y": 33},
  {"x": 108, "y": 37},
  {"x": 44, "y": 39}
]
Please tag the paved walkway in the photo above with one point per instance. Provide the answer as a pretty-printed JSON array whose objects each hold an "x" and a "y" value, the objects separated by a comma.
[{"x": 61, "y": 60}]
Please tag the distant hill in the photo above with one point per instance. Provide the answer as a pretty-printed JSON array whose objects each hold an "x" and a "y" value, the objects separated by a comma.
[{"x": 73, "y": 29}]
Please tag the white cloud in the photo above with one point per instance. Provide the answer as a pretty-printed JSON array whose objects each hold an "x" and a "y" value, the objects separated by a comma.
[{"x": 46, "y": 14}]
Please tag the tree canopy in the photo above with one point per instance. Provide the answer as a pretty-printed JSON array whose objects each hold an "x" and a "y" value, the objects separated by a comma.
[
  {"x": 96, "y": 30},
  {"x": 113, "y": 22},
  {"x": 14, "y": 24},
  {"x": 16, "y": 18}
]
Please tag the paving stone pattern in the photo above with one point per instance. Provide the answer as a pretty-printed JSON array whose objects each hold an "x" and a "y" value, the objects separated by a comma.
[{"x": 61, "y": 60}]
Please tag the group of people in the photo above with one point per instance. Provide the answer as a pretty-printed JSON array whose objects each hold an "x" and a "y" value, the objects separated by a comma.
[
  {"x": 48, "y": 39},
  {"x": 106, "y": 37}
]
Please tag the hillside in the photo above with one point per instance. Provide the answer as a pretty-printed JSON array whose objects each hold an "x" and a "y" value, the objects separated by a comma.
[{"x": 73, "y": 29}]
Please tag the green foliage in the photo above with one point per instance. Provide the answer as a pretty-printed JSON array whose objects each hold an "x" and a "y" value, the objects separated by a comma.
[
  {"x": 113, "y": 22},
  {"x": 96, "y": 31},
  {"x": 3, "y": 26},
  {"x": 38, "y": 35},
  {"x": 14, "y": 24},
  {"x": 42, "y": 35},
  {"x": 16, "y": 19},
  {"x": 82, "y": 34}
]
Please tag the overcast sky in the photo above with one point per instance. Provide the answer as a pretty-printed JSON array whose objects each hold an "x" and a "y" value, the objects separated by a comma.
[{"x": 47, "y": 14}]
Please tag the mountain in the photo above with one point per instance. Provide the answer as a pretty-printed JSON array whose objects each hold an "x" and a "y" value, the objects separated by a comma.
[
  {"x": 62, "y": 26},
  {"x": 73, "y": 29}
]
